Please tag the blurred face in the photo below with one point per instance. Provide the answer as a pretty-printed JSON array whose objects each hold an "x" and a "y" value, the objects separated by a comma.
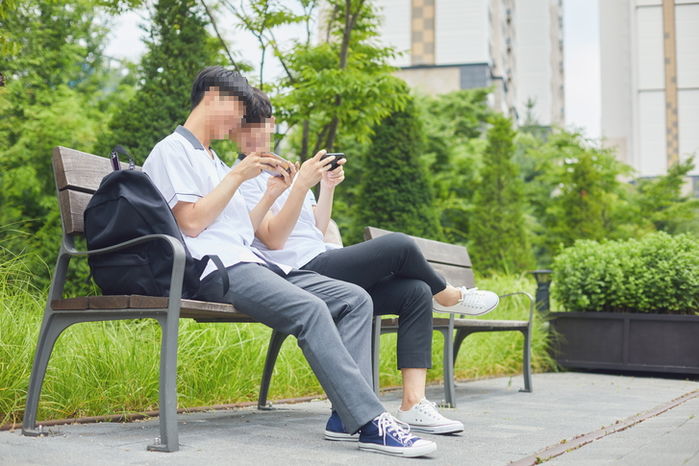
[
  {"x": 224, "y": 113},
  {"x": 255, "y": 137}
]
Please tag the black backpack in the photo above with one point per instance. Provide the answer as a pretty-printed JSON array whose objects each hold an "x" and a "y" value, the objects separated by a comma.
[{"x": 126, "y": 206}]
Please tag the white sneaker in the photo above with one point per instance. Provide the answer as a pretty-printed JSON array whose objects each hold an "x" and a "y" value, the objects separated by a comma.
[
  {"x": 473, "y": 302},
  {"x": 424, "y": 417}
]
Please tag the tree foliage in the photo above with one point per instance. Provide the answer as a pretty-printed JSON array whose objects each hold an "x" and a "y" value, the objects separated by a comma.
[
  {"x": 663, "y": 205},
  {"x": 394, "y": 192},
  {"x": 343, "y": 84},
  {"x": 454, "y": 123},
  {"x": 54, "y": 95},
  {"x": 178, "y": 47},
  {"x": 498, "y": 237}
]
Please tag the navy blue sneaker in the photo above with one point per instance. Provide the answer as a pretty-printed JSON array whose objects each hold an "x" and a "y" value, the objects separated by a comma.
[
  {"x": 385, "y": 434},
  {"x": 335, "y": 430}
]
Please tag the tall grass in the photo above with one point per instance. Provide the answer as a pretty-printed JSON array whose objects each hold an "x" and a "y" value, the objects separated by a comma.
[{"x": 112, "y": 367}]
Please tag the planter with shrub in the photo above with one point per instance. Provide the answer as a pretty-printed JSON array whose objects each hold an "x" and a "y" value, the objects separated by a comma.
[{"x": 629, "y": 305}]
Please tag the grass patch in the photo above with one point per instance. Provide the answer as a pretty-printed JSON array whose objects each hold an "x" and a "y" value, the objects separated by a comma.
[{"x": 112, "y": 367}]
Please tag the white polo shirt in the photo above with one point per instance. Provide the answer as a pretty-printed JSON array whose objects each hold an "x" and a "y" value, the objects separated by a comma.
[
  {"x": 182, "y": 170},
  {"x": 305, "y": 241}
]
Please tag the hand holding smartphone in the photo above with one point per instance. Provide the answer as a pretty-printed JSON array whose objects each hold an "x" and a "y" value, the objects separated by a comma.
[
  {"x": 338, "y": 156},
  {"x": 284, "y": 166}
]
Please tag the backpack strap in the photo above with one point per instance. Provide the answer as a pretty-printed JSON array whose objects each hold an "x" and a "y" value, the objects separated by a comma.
[
  {"x": 221, "y": 270},
  {"x": 114, "y": 156}
]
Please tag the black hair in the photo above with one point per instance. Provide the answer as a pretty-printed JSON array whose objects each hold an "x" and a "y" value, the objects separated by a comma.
[
  {"x": 259, "y": 108},
  {"x": 227, "y": 82}
]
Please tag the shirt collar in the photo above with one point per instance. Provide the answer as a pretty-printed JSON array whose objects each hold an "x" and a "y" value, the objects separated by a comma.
[{"x": 189, "y": 136}]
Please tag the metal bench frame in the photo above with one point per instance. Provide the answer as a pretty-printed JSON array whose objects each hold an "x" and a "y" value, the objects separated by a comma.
[{"x": 77, "y": 176}]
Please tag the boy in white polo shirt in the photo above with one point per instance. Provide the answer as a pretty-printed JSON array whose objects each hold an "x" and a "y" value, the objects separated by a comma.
[
  {"x": 391, "y": 268},
  {"x": 329, "y": 318}
]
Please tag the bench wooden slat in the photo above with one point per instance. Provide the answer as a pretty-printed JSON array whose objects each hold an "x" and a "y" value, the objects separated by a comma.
[
  {"x": 79, "y": 170},
  {"x": 434, "y": 251},
  {"x": 392, "y": 323},
  {"x": 192, "y": 309},
  {"x": 455, "y": 275},
  {"x": 73, "y": 205}
]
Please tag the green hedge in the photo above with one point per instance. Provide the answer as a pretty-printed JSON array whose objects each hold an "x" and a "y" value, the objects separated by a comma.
[{"x": 658, "y": 273}]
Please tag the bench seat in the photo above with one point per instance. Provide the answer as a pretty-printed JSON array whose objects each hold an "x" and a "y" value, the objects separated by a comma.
[
  {"x": 392, "y": 323},
  {"x": 201, "y": 311}
]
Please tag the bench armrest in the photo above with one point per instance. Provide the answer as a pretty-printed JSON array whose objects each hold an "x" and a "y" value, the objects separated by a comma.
[
  {"x": 67, "y": 250},
  {"x": 529, "y": 297}
]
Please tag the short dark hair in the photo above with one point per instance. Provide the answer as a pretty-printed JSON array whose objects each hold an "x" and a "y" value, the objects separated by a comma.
[
  {"x": 259, "y": 108},
  {"x": 227, "y": 82}
]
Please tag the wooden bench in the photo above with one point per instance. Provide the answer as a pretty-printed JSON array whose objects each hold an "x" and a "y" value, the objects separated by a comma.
[
  {"x": 454, "y": 263},
  {"x": 77, "y": 176}
]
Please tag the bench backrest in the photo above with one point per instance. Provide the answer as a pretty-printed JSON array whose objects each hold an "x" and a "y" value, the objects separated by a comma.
[
  {"x": 451, "y": 260},
  {"x": 78, "y": 175}
]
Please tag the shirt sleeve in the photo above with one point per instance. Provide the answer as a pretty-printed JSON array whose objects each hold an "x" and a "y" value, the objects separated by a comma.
[
  {"x": 311, "y": 198},
  {"x": 173, "y": 173},
  {"x": 252, "y": 191}
]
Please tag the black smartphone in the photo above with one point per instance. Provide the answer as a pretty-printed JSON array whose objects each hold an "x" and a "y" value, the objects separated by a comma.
[{"x": 338, "y": 156}]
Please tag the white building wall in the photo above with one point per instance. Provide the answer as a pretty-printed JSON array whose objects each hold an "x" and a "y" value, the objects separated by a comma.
[
  {"x": 616, "y": 86},
  {"x": 687, "y": 19},
  {"x": 649, "y": 94},
  {"x": 649, "y": 48},
  {"x": 651, "y": 131},
  {"x": 533, "y": 56},
  {"x": 470, "y": 32},
  {"x": 461, "y": 31},
  {"x": 395, "y": 28},
  {"x": 633, "y": 81}
]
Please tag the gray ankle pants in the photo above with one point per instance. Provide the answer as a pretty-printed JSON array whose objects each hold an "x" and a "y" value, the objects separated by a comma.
[{"x": 330, "y": 319}]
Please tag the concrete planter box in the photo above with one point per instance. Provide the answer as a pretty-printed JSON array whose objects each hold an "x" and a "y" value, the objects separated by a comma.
[{"x": 626, "y": 341}]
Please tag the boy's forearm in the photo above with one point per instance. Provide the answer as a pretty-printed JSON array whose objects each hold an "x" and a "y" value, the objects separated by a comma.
[
  {"x": 324, "y": 207},
  {"x": 197, "y": 216},
  {"x": 277, "y": 230},
  {"x": 257, "y": 214}
]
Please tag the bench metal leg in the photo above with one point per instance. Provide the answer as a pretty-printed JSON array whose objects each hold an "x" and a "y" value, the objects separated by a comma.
[
  {"x": 51, "y": 328},
  {"x": 169, "y": 437},
  {"x": 458, "y": 340},
  {"x": 448, "y": 363},
  {"x": 275, "y": 345},
  {"x": 376, "y": 352},
  {"x": 526, "y": 365}
]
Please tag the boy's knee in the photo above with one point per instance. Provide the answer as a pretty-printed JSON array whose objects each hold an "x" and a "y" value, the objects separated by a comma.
[
  {"x": 315, "y": 311},
  {"x": 402, "y": 241},
  {"x": 422, "y": 291}
]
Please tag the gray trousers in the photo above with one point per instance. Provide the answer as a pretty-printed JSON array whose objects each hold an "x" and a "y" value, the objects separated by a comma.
[{"x": 330, "y": 319}]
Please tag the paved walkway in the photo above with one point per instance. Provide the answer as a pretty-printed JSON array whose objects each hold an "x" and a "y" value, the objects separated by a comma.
[{"x": 502, "y": 426}]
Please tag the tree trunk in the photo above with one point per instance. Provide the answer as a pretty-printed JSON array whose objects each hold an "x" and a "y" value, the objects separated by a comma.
[
  {"x": 304, "y": 141},
  {"x": 350, "y": 22}
]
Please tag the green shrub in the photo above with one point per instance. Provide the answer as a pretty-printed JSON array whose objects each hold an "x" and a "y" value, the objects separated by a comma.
[{"x": 658, "y": 273}]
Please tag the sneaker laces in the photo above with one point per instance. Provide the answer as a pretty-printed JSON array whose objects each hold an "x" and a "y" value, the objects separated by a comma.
[
  {"x": 429, "y": 408},
  {"x": 387, "y": 424},
  {"x": 471, "y": 297}
]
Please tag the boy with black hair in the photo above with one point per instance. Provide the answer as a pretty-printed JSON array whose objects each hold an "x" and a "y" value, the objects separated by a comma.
[{"x": 330, "y": 318}]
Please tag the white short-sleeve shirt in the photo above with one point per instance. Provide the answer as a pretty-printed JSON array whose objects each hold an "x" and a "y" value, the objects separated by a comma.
[
  {"x": 305, "y": 241},
  {"x": 182, "y": 170}
]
